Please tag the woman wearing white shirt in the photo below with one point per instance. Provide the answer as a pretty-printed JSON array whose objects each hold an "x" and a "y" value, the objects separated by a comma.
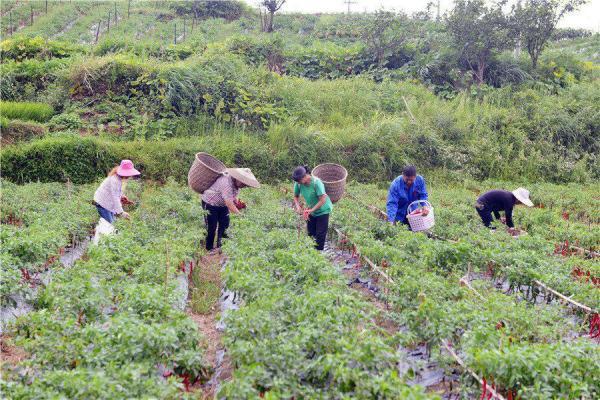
[{"x": 107, "y": 198}]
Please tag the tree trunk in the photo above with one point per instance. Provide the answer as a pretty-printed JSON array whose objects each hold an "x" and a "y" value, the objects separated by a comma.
[
  {"x": 534, "y": 60},
  {"x": 479, "y": 73}
]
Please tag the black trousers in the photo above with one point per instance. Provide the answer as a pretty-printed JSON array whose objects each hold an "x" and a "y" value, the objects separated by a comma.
[
  {"x": 317, "y": 229},
  {"x": 217, "y": 221},
  {"x": 485, "y": 213}
]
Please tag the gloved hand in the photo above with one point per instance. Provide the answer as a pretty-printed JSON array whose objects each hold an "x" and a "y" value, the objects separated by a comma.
[
  {"x": 240, "y": 204},
  {"x": 125, "y": 201}
]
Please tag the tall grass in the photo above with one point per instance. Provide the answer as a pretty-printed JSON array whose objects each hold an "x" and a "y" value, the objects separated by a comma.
[{"x": 26, "y": 111}]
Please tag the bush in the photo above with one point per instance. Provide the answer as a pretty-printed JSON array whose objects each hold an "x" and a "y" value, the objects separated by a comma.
[
  {"x": 24, "y": 80},
  {"x": 146, "y": 48},
  {"x": 16, "y": 131},
  {"x": 326, "y": 60},
  {"x": 58, "y": 159},
  {"x": 22, "y": 48},
  {"x": 26, "y": 111},
  {"x": 229, "y": 10},
  {"x": 65, "y": 121}
]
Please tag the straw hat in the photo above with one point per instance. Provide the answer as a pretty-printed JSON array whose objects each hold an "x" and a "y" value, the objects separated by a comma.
[
  {"x": 244, "y": 175},
  {"x": 522, "y": 195}
]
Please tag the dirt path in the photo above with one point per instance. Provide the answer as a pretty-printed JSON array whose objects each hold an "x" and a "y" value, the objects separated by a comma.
[{"x": 203, "y": 309}]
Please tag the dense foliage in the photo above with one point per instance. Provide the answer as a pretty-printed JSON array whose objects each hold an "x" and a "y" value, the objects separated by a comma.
[
  {"x": 107, "y": 328},
  {"x": 510, "y": 330},
  {"x": 385, "y": 88}
]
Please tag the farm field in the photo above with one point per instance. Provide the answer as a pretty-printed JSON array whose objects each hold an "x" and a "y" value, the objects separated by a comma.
[
  {"x": 145, "y": 312},
  {"x": 300, "y": 329}
]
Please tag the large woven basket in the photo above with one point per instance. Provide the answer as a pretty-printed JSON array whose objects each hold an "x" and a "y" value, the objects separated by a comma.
[
  {"x": 204, "y": 172},
  {"x": 334, "y": 179}
]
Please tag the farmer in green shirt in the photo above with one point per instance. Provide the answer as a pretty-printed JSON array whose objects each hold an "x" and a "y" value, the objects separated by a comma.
[{"x": 318, "y": 203}]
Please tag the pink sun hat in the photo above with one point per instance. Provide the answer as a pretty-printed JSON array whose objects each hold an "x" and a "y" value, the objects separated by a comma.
[{"x": 126, "y": 169}]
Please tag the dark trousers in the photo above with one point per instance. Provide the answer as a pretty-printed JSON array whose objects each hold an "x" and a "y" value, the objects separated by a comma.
[
  {"x": 317, "y": 229},
  {"x": 217, "y": 221},
  {"x": 485, "y": 213}
]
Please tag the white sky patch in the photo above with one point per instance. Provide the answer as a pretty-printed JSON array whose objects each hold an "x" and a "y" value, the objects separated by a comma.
[{"x": 587, "y": 17}]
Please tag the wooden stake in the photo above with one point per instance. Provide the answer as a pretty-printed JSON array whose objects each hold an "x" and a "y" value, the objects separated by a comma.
[
  {"x": 116, "y": 16},
  {"x": 167, "y": 267},
  {"x": 470, "y": 371},
  {"x": 565, "y": 298},
  {"x": 32, "y": 14},
  {"x": 465, "y": 281},
  {"x": 128, "y": 7},
  {"x": 98, "y": 31},
  {"x": 108, "y": 24},
  {"x": 408, "y": 109},
  {"x": 46, "y": 6},
  {"x": 184, "y": 29},
  {"x": 175, "y": 37}
]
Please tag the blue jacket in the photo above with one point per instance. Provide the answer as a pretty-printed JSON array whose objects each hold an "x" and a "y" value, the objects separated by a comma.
[{"x": 399, "y": 197}]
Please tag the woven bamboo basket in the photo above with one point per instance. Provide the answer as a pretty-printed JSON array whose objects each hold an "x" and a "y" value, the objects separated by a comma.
[
  {"x": 204, "y": 172},
  {"x": 334, "y": 179}
]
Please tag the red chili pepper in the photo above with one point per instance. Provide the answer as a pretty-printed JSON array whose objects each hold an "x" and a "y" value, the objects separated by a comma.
[
  {"x": 595, "y": 326},
  {"x": 484, "y": 390}
]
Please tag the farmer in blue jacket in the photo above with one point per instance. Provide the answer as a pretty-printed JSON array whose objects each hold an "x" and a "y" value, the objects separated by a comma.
[{"x": 405, "y": 189}]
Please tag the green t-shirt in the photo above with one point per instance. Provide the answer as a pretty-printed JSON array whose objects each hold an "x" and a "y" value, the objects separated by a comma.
[{"x": 311, "y": 194}]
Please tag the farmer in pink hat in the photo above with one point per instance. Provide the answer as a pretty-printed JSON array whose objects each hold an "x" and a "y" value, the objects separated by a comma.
[{"x": 107, "y": 198}]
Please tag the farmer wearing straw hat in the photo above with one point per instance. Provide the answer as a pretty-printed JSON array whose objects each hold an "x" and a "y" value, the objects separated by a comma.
[
  {"x": 108, "y": 196},
  {"x": 319, "y": 205},
  {"x": 221, "y": 199},
  {"x": 494, "y": 201},
  {"x": 404, "y": 190}
]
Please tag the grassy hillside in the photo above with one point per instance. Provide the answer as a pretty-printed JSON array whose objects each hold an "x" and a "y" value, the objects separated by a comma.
[{"x": 315, "y": 89}]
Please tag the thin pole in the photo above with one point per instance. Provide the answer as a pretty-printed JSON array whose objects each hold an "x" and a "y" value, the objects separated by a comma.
[
  {"x": 98, "y": 31},
  {"x": 175, "y": 38},
  {"x": 46, "y": 6},
  {"x": 108, "y": 25},
  {"x": 184, "y": 29},
  {"x": 32, "y": 14},
  {"x": 116, "y": 20},
  {"x": 128, "y": 8}
]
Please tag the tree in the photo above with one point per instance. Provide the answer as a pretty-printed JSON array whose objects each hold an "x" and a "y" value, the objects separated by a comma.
[
  {"x": 266, "y": 16},
  {"x": 534, "y": 21},
  {"x": 383, "y": 32},
  {"x": 479, "y": 32}
]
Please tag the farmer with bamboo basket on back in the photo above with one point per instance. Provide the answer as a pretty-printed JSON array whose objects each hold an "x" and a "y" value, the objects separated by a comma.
[{"x": 221, "y": 198}]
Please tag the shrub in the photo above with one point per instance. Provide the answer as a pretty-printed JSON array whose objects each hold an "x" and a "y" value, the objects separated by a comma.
[
  {"x": 16, "y": 131},
  {"x": 18, "y": 78},
  {"x": 229, "y": 10},
  {"x": 256, "y": 50},
  {"x": 65, "y": 121},
  {"x": 26, "y": 111},
  {"x": 21, "y": 48},
  {"x": 146, "y": 48},
  {"x": 326, "y": 60},
  {"x": 58, "y": 159}
]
